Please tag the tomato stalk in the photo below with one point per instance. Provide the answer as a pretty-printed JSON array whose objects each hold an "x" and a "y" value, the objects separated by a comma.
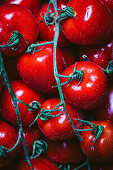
[
  {"x": 55, "y": 68},
  {"x": 14, "y": 99}
]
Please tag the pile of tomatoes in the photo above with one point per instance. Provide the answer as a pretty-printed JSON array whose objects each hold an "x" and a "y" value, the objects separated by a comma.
[{"x": 56, "y": 101}]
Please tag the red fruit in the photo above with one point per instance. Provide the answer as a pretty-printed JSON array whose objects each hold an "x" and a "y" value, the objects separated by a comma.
[
  {"x": 103, "y": 147},
  {"x": 37, "y": 70},
  {"x": 90, "y": 91},
  {"x": 26, "y": 95},
  {"x": 59, "y": 127},
  {"x": 93, "y": 23},
  {"x": 11, "y": 19},
  {"x": 65, "y": 151},
  {"x": 8, "y": 138},
  {"x": 39, "y": 163}
]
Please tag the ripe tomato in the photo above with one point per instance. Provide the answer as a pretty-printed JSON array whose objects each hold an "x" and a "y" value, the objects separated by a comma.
[
  {"x": 89, "y": 93},
  {"x": 11, "y": 19},
  {"x": 32, "y": 5},
  {"x": 59, "y": 127},
  {"x": 23, "y": 93},
  {"x": 47, "y": 32},
  {"x": 8, "y": 138},
  {"x": 30, "y": 134},
  {"x": 65, "y": 151},
  {"x": 100, "y": 55},
  {"x": 103, "y": 147},
  {"x": 37, "y": 69},
  {"x": 89, "y": 27},
  {"x": 39, "y": 163}
]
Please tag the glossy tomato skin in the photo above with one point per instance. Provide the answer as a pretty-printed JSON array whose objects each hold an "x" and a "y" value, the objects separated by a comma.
[
  {"x": 108, "y": 3},
  {"x": 8, "y": 138},
  {"x": 39, "y": 163},
  {"x": 89, "y": 27},
  {"x": 92, "y": 88},
  {"x": 12, "y": 20},
  {"x": 47, "y": 32},
  {"x": 65, "y": 151},
  {"x": 105, "y": 111},
  {"x": 37, "y": 70},
  {"x": 103, "y": 148},
  {"x": 59, "y": 127},
  {"x": 100, "y": 55},
  {"x": 23, "y": 93},
  {"x": 31, "y": 135},
  {"x": 32, "y": 5}
]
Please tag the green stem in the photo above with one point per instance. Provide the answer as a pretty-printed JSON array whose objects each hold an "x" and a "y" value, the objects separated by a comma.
[
  {"x": 3, "y": 71},
  {"x": 55, "y": 68}
]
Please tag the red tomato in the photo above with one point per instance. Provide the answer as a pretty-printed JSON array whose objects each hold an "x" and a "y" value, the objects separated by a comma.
[
  {"x": 105, "y": 111},
  {"x": 8, "y": 138},
  {"x": 39, "y": 163},
  {"x": 103, "y": 147},
  {"x": 89, "y": 93},
  {"x": 60, "y": 127},
  {"x": 31, "y": 135},
  {"x": 100, "y": 55},
  {"x": 89, "y": 27},
  {"x": 11, "y": 19},
  {"x": 32, "y": 5},
  {"x": 23, "y": 93},
  {"x": 47, "y": 32},
  {"x": 65, "y": 151},
  {"x": 37, "y": 69}
]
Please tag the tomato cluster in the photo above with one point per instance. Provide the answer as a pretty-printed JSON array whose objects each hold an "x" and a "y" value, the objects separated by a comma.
[{"x": 56, "y": 84}]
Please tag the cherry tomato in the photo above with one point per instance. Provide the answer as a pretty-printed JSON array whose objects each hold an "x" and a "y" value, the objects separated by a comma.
[
  {"x": 11, "y": 19},
  {"x": 65, "y": 151},
  {"x": 89, "y": 27},
  {"x": 26, "y": 95},
  {"x": 59, "y": 127},
  {"x": 47, "y": 32},
  {"x": 88, "y": 93},
  {"x": 8, "y": 138},
  {"x": 37, "y": 69},
  {"x": 100, "y": 55},
  {"x": 39, "y": 163},
  {"x": 103, "y": 147},
  {"x": 31, "y": 135},
  {"x": 32, "y": 5}
]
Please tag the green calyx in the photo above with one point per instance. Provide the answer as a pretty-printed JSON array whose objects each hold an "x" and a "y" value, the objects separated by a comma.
[
  {"x": 3, "y": 151},
  {"x": 34, "y": 106},
  {"x": 109, "y": 68},
  {"x": 49, "y": 19},
  {"x": 96, "y": 130},
  {"x": 66, "y": 13},
  {"x": 39, "y": 147},
  {"x": 76, "y": 75},
  {"x": 14, "y": 41}
]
